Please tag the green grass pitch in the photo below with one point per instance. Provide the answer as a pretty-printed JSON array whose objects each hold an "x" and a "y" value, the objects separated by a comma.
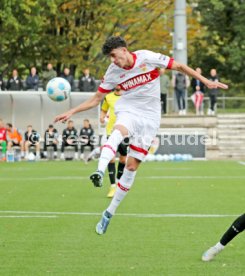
[{"x": 48, "y": 213}]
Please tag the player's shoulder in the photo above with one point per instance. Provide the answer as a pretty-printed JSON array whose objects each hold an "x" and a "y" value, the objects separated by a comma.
[{"x": 144, "y": 53}]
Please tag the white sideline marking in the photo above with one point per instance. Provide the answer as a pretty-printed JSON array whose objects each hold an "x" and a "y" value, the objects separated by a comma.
[
  {"x": 242, "y": 163},
  {"x": 120, "y": 214},
  {"x": 28, "y": 216},
  {"x": 65, "y": 178}
]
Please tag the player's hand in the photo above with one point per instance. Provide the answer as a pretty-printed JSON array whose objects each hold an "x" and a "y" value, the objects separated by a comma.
[
  {"x": 214, "y": 84},
  {"x": 102, "y": 120},
  {"x": 63, "y": 117}
]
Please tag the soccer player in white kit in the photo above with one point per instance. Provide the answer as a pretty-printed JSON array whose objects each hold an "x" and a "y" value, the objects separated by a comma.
[{"x": 138, "y": 111}]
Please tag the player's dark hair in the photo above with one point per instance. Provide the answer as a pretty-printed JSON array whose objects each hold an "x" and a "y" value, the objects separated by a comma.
[
  {"x": 113, "y": 42},
  {"x": 9, "y": 125}
]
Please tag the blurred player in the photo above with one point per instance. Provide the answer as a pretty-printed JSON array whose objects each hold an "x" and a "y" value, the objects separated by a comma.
[
  {"x": 237, "y": 227},
  {"x": 108, "y": 109},
  {"x": 14, "y": 137},
  {"x": 51, "y": 136},
  {"x": 138, "y": 111},
  {"x": 32, "y": 139},
  {"x": 3, "y": 140}
]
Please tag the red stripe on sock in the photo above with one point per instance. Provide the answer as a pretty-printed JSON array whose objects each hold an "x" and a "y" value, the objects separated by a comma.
[
  {"x": 109, "y": 147},
  {"x": 122, "y": 187}
]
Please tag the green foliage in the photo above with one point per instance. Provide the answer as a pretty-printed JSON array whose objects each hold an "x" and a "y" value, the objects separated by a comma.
[
  {"x": 221, "y": 43},
  {"x": 72, "y": 32}
]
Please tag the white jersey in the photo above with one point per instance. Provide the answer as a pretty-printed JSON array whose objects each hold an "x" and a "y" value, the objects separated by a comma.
[{"x": 140, "y": 84}]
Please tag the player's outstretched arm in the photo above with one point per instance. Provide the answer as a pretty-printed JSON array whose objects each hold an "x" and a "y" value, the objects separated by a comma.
[
  {"x": 88, "y": 104},
  {"x": 192, "y": 73}
]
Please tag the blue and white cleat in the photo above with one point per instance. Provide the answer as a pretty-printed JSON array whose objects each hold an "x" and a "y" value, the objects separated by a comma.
[
  {"x": 103, "y": 223},
  {"x": 97, "y": 178}
]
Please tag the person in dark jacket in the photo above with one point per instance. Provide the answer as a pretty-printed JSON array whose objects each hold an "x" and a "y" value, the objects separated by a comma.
[
  {"x": 50, "y": 140},
  {"x": 32, "y": 80},
  {"x": 87, "y": 82},
  {"x": 196, "y": 82},
  {"x": 2, "y": 85},
  {"x": 213, "y": 93},
  {"x": 86, "y": 136},
  {"x": 69, "y": 138},
  {"x": 14, "y": 83},
  {"x": 66, "y": 75},
  {"x": 49, "y": 74}
]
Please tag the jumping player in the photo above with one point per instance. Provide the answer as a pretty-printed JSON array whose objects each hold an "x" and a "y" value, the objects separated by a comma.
[
  {"x": 138, "y": 111},
  {"x": 237, "y": 227}
]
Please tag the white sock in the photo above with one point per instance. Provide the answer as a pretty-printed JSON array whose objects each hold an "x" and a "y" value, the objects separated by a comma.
[
  {"x": 109, "y": 150},
  {"x": 126, "y": 182},
  {"x": 219, "y": 246}
]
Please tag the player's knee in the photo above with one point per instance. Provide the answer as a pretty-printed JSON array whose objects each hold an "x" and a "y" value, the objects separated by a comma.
[{"x": 131, "y": 168}]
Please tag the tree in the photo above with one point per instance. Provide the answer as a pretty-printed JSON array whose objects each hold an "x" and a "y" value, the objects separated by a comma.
[
  {"x": 21, "y": 28},
  {"x": 71, "y": 32},
  {"x": 221, "y": 41}
]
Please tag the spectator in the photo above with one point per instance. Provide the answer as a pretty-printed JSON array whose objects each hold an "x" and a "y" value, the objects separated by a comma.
[
  {"x": 181, "y": 83},
  {"x": 66, "y": 75},
  {"x": 48, "y": 75},
  {"x": 32, "y": 139},
  {"x": 14, "y": 83},
  {"x": 3, "y": 140},
  {"x": 69, "y": 139},
  {"x": 86, "y": 135},
  {"x": 87, "y": 82},
  {"x": 197, "y": 99},
  {"x": 2, "y": 86},
  {"x": 14, "y": 138},
  {"x": 32, "y": 80},
  {"x": 198, "y": 86},
  {"x": 50, "y": 140},
  {"x": 164, "y": 85},
  {"x": 213, "y": 92}
]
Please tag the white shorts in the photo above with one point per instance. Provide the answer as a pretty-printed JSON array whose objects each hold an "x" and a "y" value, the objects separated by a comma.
[{"x": 141, "y": 130}]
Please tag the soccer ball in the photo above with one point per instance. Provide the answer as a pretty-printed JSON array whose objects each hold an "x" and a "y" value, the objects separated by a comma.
[{"x": 58, "y": 89}]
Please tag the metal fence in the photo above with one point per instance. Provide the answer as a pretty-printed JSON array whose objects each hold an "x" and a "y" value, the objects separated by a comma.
[{"x": 224, "y": 104}]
